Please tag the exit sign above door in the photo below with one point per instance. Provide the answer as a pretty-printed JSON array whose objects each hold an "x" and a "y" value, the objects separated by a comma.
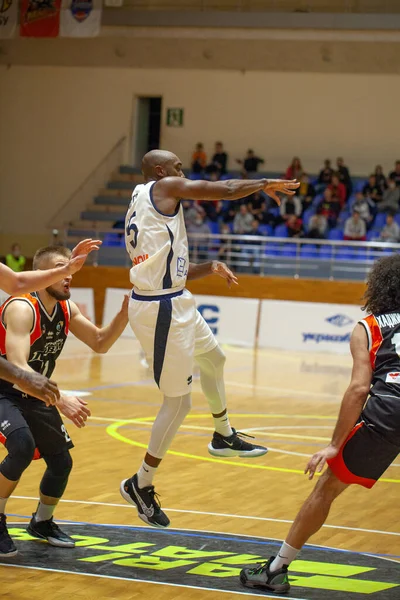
[{"x": 175, "y": 117}]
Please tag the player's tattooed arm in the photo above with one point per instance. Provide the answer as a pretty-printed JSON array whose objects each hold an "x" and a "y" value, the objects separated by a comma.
[
  {"x": 352, "y": 403},
  {"x": 18, "y": 317},
  {"x": 99, "y": 339},
  {"x": 215, "y": 267},
  {"x": 28, "y": 281}
]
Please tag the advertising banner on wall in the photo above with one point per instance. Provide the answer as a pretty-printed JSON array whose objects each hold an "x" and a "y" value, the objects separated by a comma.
[
  {"x": 8, "y": 18},
  {"x": 112, "y": 304},
  {"x": 307, "y": 326},
  {"x": 40, "y": 18},
  {"x": 84, "y": 299},
  {"x": 80, "y": 18}
]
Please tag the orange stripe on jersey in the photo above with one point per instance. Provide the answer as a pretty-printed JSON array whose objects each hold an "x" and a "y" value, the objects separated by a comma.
[
  {"x": 36, "y": 329},
  {"x": 64, "y": 307},
  {"x": 376, "y": 337}
]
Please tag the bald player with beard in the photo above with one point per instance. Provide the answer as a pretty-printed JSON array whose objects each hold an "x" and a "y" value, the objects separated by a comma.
[{"x": 164, "y": 318}]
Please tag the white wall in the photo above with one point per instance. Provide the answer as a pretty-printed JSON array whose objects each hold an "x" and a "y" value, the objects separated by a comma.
[{"x": 58, "y": 123}]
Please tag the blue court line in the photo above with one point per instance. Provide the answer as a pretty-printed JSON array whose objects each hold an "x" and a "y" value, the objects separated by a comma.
[{"x": 206, "y": 536}]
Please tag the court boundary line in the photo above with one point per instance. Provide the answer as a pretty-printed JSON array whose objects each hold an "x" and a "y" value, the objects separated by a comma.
[
  {"x": 214, "y": 514},
  {"x": 180, "y": 585}
]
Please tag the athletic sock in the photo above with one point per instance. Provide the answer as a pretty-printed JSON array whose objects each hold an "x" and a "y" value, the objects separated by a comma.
[
  {"x": 3, "y": 502},
  {"x": 285, "y": 556},
  {"x": 222, "y": 425},
  {"x": 44, "y": 512},
  {"x": 146, "y": 475}
]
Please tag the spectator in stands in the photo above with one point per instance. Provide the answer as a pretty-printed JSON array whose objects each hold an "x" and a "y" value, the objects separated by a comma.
[
  {"x": 15, "y": 260},
  {"x": 191, "y": 210},
  {"x": 372, "y": 190},
  {"x": 290, "y": 205},
  {"x": 395, "y": 175},
  {"x": 330, "y": 207},
  {"x": 306, "y": 192},
  {"x": 257, "y": 205},
  {"x": 199, "y": 159},
  {"x": 355, "y": 228},
  {"x": 391, "y": 198},
  {"x": 250, "y": 163},
  {"x": 344, "y": 176},
  {"x": 224, "y": 245},
  {"x": 295, "y": 169},
  {"x": 363, "y": 205},
  {"x": 318, "y": 226},
  {"x": 380, "y": 178},
  {"x": 294, "y": 227},
  {"x": 255, "y": 230},
  {"x": 391, "y": 231},
  {"x": 242, "y": 223},
  {"x": 325, "y": 175},
  {"x": 198, "y": 247},
  {"x": 338, "y": 189},
  {"x": 219, "y": 160}
]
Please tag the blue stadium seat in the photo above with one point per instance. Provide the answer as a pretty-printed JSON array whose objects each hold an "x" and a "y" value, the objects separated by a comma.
[
  {"x": 372, "y": 235},
  {"x": 397, "y": 218},
  {"x": 309, "y": 251},
  {"x": 288, "y": 249},
  {"x": 196, "y": 176},
  {"x": 266, "y": 230},
  {"x": 272, "y": 249},
  {"x": 307, "y": 216},
  {"x": 344, "y": 253},
  {"x": 113, "y": 239},
  {"x": 335, "y": 234},
  {"x": 281, "y": 231},
  {"x": 380, "y": 221},
  {"x": 214, "y": 226},
  {"x": 360, "y": 184},
  {"x": 325, "y": 252}
]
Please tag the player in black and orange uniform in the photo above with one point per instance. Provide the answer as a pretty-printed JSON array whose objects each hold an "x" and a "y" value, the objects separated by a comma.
[
  {"x": 366, "y": 438},
  {"x": 21, "y": 283},
  {"x": 33, "y": 331}
]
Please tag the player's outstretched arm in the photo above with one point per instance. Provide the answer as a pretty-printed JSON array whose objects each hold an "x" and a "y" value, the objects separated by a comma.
[
  {"x": 29, "y": 281},
  {"x": 18, "y": 318},
  {"x": 30, "y": 383},
  {"x": 215, "y": 267},
  {"x": 98, "y": 339},
  {"x": 232, "y": 189},
  {"x": 352, "y": 403}
]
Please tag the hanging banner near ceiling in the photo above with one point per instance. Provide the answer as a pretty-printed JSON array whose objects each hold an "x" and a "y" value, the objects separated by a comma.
[
  {"x": 80, "y": 18},
  {"x": 8, "y": 18},
  {"x": 40, "y": 18}
]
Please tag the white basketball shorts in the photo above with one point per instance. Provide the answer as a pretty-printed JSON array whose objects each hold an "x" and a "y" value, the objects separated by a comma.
[{"x": 171, "y": 332}]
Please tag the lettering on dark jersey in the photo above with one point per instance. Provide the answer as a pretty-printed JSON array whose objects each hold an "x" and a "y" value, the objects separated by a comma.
[{"x": 390, "y": 320}]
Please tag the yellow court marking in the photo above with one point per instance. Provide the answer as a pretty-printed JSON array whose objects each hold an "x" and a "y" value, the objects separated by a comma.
[{"x": 112, "y": 430}]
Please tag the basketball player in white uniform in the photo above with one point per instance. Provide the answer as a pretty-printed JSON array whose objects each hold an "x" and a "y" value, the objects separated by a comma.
[{"x": 164, "y": 318}]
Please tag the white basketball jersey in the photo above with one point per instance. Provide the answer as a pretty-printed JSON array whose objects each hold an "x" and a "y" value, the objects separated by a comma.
[{"x": 156, "y": 243}]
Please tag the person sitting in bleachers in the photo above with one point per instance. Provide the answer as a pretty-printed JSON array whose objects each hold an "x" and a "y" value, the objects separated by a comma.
[
  {"x": 295, "y": 169},
  {"x": 395, "y": 175},
  {"x": 330, "y": 207},
  {"x": 306, "y": 192},
  {"x": 15, "y": 260},
  {"x": 294, "y": 227},
  {"x": 257, "y": 205},
  {"x": 250, "y": 163},
  {"x": 380, "y": 178},
  {"x": 242, "y": 223},
  {"x": 290, "y": 205},
  {"x": 391, "y": 198},
  {"x": 338, "y": 189},
  {"x": 318, "y": 226},
  {"x": 198, "y": 247},
  {"x": 190, "y": 212},
  {"x": 391, "y": 231},
  {"x": 199, "y": 159},
  {"x": 372, "y": 190},
  {"x": 325, "y": 175},
  {"x": 219, "y": 160},
  {"x": 344, "y": 176},
  {"x": 355, "y": 228},
  {"x": 363, "y": 205}
]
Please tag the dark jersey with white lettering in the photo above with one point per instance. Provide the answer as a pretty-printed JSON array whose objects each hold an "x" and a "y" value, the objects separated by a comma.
[
  {"x": 383, "y": 406},
  {"x": 47, "y": 337}
]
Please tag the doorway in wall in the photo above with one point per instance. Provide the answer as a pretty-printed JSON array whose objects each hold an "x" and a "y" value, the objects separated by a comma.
[{"x": 147, "y": 126}]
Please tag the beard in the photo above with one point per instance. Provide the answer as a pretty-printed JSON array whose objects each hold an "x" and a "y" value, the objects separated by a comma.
[{"x": 57, "y": 294}]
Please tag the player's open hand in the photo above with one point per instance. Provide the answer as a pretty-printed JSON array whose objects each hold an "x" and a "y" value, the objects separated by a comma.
[
  {"x": 318, "y": 460},
  {"x": 220, "y": 268},
  {"x": 38, "y": 386},
  {"x": 286, "y": 187},
  {"x": 75, "y": 409},
  {"x": 80, "y": 254}
]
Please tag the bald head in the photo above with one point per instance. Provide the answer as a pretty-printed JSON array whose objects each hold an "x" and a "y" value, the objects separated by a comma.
[{"x": 157, "y": 164}]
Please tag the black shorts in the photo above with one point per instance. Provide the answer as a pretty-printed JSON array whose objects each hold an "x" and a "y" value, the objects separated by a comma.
[
  {"x": 364, "y": 456},
  {"x": 45, "y": 423}
]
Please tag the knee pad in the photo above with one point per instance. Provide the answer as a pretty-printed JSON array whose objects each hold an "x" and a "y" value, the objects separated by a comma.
[
  {"x": 21, "y": 447},
  {"x": 55, "y": 478}
]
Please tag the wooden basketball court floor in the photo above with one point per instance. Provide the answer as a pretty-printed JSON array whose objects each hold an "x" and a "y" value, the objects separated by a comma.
[{"x": 289, "y": 401}]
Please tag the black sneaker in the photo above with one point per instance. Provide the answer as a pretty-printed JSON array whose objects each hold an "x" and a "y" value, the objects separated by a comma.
[
  {"x": 260, "y": 577},
  {"x": 50, "y": 531},
  {"x": 7, "y": 546},
  {"x": 234, "y": 446},
  {"x": 145, "y": 500}
]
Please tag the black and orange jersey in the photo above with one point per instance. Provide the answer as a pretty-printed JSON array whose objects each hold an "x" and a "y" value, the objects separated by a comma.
[
  {"x": 383, "y": 406},
  {"x": 47, "y": 336}
]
